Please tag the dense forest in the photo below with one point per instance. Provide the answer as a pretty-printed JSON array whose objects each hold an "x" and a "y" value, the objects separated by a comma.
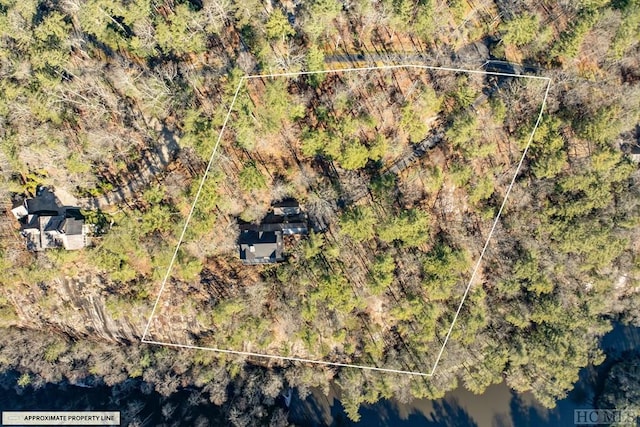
[
  {"x": 377, "y": 208},
  {"x": 118, "y": 106}
]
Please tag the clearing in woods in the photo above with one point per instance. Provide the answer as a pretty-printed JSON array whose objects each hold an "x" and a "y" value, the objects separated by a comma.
[{"x": 403, "y": 172}]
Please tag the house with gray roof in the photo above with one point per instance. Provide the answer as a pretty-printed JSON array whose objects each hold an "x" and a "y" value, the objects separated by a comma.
[
  {"x": 633, "y": 151},
  {"x": 47, "y": 224},
  {"x": 629, "y": 143},
  {"x": 260, "y": 247},
  {"x": 264, "y": 242}
]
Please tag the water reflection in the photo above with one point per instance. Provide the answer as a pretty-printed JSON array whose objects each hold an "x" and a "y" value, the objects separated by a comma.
[{"x": 497, "y": 407}]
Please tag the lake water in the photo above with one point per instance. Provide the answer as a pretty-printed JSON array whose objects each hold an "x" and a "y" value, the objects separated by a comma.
[
  {"x": 184, "y": 407},
  {"x": 497, "y": 407}
]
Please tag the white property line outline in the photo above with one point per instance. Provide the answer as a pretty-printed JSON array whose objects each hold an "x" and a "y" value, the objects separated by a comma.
[
  {"x": 475, "y": 270},
  {"x": 193, "y": 207},
  {"x": 493, "y": 227}
]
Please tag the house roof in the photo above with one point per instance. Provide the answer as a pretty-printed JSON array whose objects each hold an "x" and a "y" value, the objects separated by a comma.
[
  {"x": 289, "y": 203},
  {"x": 47, "y": 224},
  {"x": 50, "y": 222},
  {"x": 632, "y": 150},
  {"x": 294, "y": 228},
  {"x": 20, "y": 211},
  {"x": 73, "y": 241},
  {"x": 42, "y": 233},
  {"x": 32, "y": 236},
  {"x": 260, "y": 246},
  {"x": 286, "y": 207},
  {"x": 44, "y": 202},
  {"x": 48, "y": 231},
  {"x": 71, "y": 226},
  {"x": 262, "y": 243}
]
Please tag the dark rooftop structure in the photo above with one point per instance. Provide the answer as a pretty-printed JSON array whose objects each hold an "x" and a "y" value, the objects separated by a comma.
[
  {"x": 259, "y": 247},
  {"x": 287, "y": 207},
  {"x": 264, "y": 242},
  {"x": 46, "y": 224},
  {"x": 633, "y": 151},
  {"x": 630, "y": 144}
]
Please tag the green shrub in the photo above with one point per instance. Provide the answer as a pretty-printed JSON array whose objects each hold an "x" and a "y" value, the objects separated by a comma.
[
  {"x": 520, "y": 30},
  {"x": 411, "y": 228},
  {"x": 382, "y": 273},
  {"x": 251, "y": 178},
  {"x": 358, "y": 223}
]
